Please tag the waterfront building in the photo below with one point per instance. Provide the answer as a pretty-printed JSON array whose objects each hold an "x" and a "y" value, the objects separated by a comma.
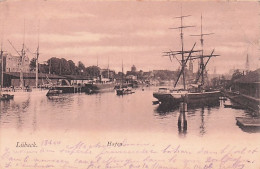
[
  {"x": 246, "y": 90},
  {"x": 14, "y": 63},
  {"x": 13, "y": 79},
  {"x": 249, "y": 84}
]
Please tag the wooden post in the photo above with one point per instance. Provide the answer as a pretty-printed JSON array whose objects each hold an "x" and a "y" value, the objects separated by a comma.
[{"x": 182, "y": 118}]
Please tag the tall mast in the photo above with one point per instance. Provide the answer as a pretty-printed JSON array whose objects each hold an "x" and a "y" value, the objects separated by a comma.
[
  {"x": 22, "y": 58},
  {"x": 122, "y": 66},
  {"x": 2, "y": 65},
  {"x": 108, "y": 68},
  {"x": 50, "y": 67},
  {"x": 97, "y": 61},
  {"x": 2, "y": 59},
  {"x": 247, "y": 63},
  {"x": 201, "y": 59},
  {"x": 96, "y": 73},
  {"x": 202, "y": 65},
  {"x": 37, "y": 62},
  {"x": 182, "y": 54},
  {"x": 183, "y": 64},
  {"x": 60, "y": 67},
  {"x": 122, "y": 72}
]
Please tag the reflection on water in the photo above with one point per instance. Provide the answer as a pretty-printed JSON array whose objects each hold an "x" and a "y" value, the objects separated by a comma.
[
  {"x": 108, "y": 112},
  {"x": 196, "y": 108},
  {"x": 202, "y": 125},
  {"x": 182, "y": 121},
  {"x": 249, "y": 129}
]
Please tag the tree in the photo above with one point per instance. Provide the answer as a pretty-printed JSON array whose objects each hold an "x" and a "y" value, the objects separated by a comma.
[
  {"x": 165, "y": 74},
  {"x": 43, "y": 68},
  {"x": 65, "y": 67},
  {"x": 81, "y": 68},
  {"x": 33, "y": 64},
  {"x": 236, "y": 75},
  {"x": 73, "y": 67},
  {"x": 93, "y": 71},
  {"x": 215, "y": 82},
  {"x": 54, "y": 65}
]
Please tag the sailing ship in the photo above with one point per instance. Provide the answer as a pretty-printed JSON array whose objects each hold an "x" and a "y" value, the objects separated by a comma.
[
  {"x": 38, "y": 91},
  {"x": 123, "y": 89},
  {"x": 196, "y": 92},
  {"x": 22, "y": 90}
]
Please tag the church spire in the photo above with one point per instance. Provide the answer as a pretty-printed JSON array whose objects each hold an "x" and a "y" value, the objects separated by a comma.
[{"x": 247, "y": 63}]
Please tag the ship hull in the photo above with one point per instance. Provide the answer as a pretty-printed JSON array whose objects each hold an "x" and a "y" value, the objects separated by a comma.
[
  {"x": 176, "y": 98},
  {"x": 99, "y": 87},
  {"x": 64, "y": 89},
  {"x": 69, "y": 89}
]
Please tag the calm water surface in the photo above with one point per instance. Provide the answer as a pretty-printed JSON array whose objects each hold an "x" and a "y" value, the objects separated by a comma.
[{"x": 108, "y": 112}]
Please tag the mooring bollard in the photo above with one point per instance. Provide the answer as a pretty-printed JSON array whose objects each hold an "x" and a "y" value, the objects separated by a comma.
[
  {"x": 182, "y": 117},
  {"x": 179, "y": 122}
]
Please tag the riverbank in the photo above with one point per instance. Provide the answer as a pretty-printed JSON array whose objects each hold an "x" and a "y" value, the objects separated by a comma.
[{"x": 249, "y": 102}]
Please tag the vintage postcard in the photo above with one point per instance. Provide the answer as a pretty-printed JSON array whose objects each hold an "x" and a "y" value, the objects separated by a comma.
[{"x": 129, "y": 84}]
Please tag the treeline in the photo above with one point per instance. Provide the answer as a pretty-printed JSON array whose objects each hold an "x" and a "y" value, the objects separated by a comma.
[
  {"x": 65, "y": 67},
  {"x": 61, "y": 66},
  {"x": 165, "y": 74}
]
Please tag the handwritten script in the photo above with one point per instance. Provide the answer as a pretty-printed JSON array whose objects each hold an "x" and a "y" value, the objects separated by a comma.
[{"x": 126, "y": 155}]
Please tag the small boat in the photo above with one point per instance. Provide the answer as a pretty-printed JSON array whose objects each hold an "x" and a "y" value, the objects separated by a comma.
[
  {"x": 18, "y": 92},
  {"x": 6, "y": 97},
  {"x": 248, "y": 121},
  {"x": 227, "y": 105},
  {"x": 233, "y": 106},
  {"x": 124, "y": 91},
  {"x": 54, "y": 92},
  {"x": 89, "y": 91},
  {"x": 156, "y": 102},
  {"x": 223, "y": 98}
]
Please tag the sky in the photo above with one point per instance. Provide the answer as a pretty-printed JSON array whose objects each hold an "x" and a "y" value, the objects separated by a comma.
[{"x": 135, "y": 33}]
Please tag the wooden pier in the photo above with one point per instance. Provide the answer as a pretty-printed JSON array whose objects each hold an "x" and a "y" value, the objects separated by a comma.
[
  {"x": 244, "y": 100},
  {"x": 248, "y": 122}
]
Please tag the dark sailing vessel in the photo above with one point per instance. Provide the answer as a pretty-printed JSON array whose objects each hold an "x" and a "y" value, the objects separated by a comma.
[
  {"x": 123, "y": 89},
  {"x": 195, "y": 92}
]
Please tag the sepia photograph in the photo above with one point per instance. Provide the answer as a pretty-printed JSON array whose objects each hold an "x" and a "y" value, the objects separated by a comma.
[{"x": 140, "y": 84}]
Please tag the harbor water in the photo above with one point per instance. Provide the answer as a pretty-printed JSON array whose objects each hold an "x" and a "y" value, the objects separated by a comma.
[
  {"x": 108, "y": 131},
  {"x": 107, "y": 112}
]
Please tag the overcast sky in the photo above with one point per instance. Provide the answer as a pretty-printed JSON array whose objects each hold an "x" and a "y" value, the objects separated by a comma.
[{"x": 135, "y": 32}]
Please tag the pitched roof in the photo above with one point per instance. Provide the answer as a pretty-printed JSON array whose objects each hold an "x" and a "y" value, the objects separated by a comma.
[
  {"x": 77, "y": 77},
  {"x": 33, "y": 75},
  {"x": 251, "y": 77}
]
